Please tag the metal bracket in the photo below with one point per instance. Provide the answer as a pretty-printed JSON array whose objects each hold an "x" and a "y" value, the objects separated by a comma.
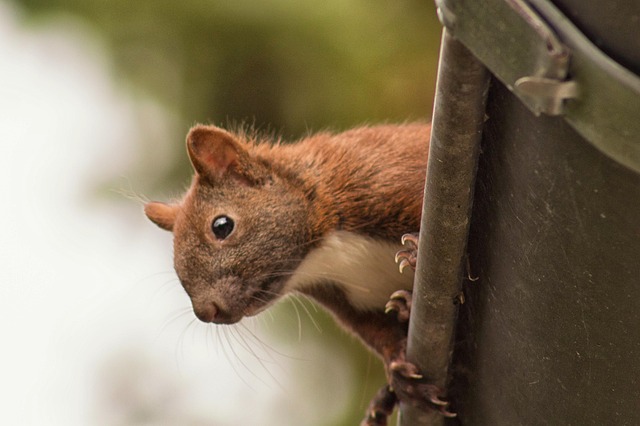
[
  {"x": 534, "y": 50},
  {"x": 546, "y": 94},
  {"x": 516, "y": 45}
]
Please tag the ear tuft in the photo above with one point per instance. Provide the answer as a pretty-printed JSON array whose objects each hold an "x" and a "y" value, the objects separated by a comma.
[
  {"x": 163, "y": 215},
  {"x": 212, "y": 150}
]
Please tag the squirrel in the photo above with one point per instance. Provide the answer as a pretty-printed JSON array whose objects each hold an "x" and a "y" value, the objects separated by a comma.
[{"x": 323, "y": 217}]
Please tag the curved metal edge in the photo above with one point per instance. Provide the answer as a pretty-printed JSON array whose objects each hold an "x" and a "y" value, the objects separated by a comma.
[
  {"x": 607, "y": 113},
  {"x": 600, "y": 101},
  {"x": 513, "y": 42}
]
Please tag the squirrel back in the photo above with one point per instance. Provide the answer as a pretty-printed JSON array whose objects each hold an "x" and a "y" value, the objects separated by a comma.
[{"x": 368, "y": 180}]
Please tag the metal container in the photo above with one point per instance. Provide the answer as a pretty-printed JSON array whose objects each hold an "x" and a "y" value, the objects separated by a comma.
[{"x": 550, "y": 329}]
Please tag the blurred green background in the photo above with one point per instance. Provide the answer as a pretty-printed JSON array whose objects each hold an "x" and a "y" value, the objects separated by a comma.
[
  {"x": 289, "y": 66},
  {"x": 286, "y": 66}
]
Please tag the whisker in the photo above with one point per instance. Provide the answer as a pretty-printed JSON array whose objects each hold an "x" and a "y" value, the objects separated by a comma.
[
  {"x": 266, "y": 347},
  {"x": 168, "y": 286},
  {"x": 208, "y": 337},
  {"x": 325, "y": 276},
  {"x": 359, "y": 226},
  {"x": 174, "y": 316},
  {"x": 129, "y": 193},
  {"x": 151, "y": 278},
  {"x": 263, "y": 301},
  {"x": 239, "y": 359},
  {"x": 229, "y": 360},
  {"x": 304, "y": 306},
  {"x": 260, "y": 361},
  {"x": 180, "y": 347},
  {"x": 363, "y": 402},
  {"x": 270, "y": 313},
  {"x": 242, "y": 342},
  {"x": 239, "y": 336},
  {"x": 299, "y": 319},
  {"x": 216, "y": 330}
]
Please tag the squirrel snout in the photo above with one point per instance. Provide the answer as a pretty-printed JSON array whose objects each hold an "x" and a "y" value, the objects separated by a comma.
[{"x": 211, "y": 312}]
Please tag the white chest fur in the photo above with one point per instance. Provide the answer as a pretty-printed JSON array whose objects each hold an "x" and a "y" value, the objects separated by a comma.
[{"x": 363, "y": 267}]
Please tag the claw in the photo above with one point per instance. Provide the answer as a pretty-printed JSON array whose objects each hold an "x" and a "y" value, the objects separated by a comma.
[
  {"x": 406, "y": 369},
  {"x": 409, "y": 238},
  {"x": 407, "y": 257},
  {"x": 393, "y": 305},
  {"x": 403, "y": 254},
  {"x": 448, "y": 414},
  {"x": 401, "y": 295},
  {"x": 403, "y": 264},
  {"x": 380, "y": 408},
  {"x": 407, "y": 385},
  {"x": 399, "y": 301},
  {"x": 437, "y": 401}
]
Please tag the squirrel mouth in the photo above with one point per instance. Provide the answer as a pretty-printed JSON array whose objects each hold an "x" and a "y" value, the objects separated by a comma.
[
  {"x": 258, "y": 305},
  {"x": 253, "y": 310},
  {"x": 263, "y": 298}
]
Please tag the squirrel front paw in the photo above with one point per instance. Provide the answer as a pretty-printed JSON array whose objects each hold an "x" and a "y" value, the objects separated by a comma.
[
  {"x": 400, "y": 302},
  {"x": 412, "y": 388},
  {"x": 407, "y": 385},
  {"x": 405, "y": 382},
  {"x": 380, "y": 408}
]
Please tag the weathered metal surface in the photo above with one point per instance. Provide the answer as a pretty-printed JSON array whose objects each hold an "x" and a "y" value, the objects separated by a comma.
[
  {"x": 549, "y": 333},
  {"x": 522, "y": 41},
  {"x": 455, "y": 140}
]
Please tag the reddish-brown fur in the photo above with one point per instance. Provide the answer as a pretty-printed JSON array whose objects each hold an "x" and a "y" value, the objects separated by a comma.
[
  {"x": 351, "y": 174},
  {"x": 285, "y": 200}
]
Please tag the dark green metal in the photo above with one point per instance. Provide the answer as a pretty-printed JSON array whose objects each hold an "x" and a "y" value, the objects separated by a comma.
[
  {"x": 553, "y": 68},
  {"x": 550, "y": 332}
]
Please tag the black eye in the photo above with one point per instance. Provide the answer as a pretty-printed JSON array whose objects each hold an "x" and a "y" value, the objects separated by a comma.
[{"x": 222, "y": 227}]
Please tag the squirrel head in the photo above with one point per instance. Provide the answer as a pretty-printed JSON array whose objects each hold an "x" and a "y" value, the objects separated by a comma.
[{"x": 239, "y": 231}]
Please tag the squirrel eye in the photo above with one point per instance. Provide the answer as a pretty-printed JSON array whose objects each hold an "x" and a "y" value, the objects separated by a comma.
[{"x": 222, "y": 227}]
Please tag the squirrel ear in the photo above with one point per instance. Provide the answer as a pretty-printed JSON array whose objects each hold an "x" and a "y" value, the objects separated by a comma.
[
  {"x": 212, "y": 150},
  {"x": 163, "y": 215}
]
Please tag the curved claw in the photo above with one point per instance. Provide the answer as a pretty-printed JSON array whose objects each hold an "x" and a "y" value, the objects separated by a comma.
[
  {"x": 404, "y": 254},
  {"x": 404, "y": 295},
  {"x": 400, "y": 308},
  {"x": 406, "y": 369},
  {"x": 403, "y": 264},
  {"x": 412, "y": 239},
  {"x": 435, "y": 399},
  {"x": 411, "y": 387},
  {"x": 448, "y": 414},
  {"x": 407, "y": 257},
  {"x": 400, "y": 301},
  {"x": 380, "y": 408}
]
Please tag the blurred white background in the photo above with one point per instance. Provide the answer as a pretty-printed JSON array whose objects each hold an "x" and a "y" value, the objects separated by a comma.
[{"x": 95, "y": 328}]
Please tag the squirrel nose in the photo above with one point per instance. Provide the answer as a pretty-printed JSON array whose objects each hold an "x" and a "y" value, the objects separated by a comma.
[
  {"x": 206, "y": 312},
  {"x": 211, "y": 312}
]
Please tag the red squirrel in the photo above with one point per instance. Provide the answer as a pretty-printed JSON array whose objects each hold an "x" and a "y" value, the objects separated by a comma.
[{"x": 322, "y": 217}]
